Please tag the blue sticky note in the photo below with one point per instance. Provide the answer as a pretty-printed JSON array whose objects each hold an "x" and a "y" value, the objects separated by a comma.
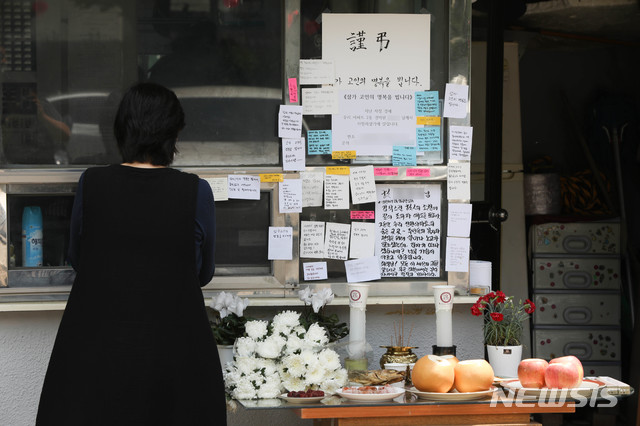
[
  {"x": 428, "y": 138},
  {"x": 427, "y": 104},
  {"x": 319, "y": 142},
  {"x": 403, "y": 155}
]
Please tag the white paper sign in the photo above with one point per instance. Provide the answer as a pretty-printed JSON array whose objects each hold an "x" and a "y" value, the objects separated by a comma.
[
  {"x": 371, "y": 122},
  {"x": 219, "y": 187},
  {"x": 280, "y": 243},
  {"x": 336, "y": 241},
  {"x": 408, "y": 230},
  {"x": 290, "y": 196},
  {"x": 460, "y": 138},
  {"x": 293, "y": 156},
  {"x": 459, "y": 220},
  {"x": 363, "y": 239},
  {"x": 312, "y": 188},
  {"x": 317, "y": 71},
  {"x": 456, "y": 100},
  {"x": 459, "y": 181},
  {"x": 360, "y": 270},
  {"x": 290, "y": 121},
  {"x": 312, "y": 239},
  {"x": 244, "y": 187},
  {"x": 315, "y": 271},
  {"x": 336, "y": 192},
  {"x": 319, "y": 100},
  {"x": 363, "y": 185},
  {"x": 457, "y": 254},
  {"x": 378, "y": 51}
]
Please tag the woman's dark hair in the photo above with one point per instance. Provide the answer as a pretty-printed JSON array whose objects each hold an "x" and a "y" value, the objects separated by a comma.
[{"x": 147, "y": 124}]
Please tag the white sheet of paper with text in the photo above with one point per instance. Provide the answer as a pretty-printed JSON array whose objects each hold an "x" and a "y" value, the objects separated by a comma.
[
  {"x": 315, "y": 271},
  {"x": 457, "y": 254},
  {"x": 460, "y": 138},
  {"x": 361, "y": 270},
  {"x": 312, "y": 187},
  {"x": 290, "y": 196},
  {"x": 408, "y": 234},
  {"x": 459, "y": 219},
  {"x": 290, "y": 121},
  {"x": 293, "y": 154},
  {"x": 458, "y": 181},
  {"x": 244, "y": 187},
  {"x": 378, "y": 51},
  {"x": 219, "y": 187},
  {"x": 317, "y": 71},
  {"x": 336, "y": 240},
  {"x": 363, "y": 185},
  {"x": 363, "y": 240},
  {"x": 280, "y": 243},
  {"x": 456, "y": 100},
  {"x": 311, "y": 239},
  {"x": 336, "y": 192},
  {"x": 319, "y": 100}
]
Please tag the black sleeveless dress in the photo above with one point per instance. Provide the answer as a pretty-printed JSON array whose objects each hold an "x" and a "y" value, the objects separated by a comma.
[{"x": 134, "y": 346}]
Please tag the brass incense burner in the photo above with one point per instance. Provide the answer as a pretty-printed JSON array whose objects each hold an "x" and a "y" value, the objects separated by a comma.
[{"x": 398, "y": 354}]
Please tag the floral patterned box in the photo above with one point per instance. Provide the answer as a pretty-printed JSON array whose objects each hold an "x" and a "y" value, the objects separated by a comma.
[{"x": 575, "y": 238}]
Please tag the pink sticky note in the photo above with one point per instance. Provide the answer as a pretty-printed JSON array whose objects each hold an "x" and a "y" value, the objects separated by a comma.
[
  {"x": 419, "y": 172},
  {"x": 362, "y": 214},
  {"x": 293, "y": 90},
  {"x": 385, "y": 171}
]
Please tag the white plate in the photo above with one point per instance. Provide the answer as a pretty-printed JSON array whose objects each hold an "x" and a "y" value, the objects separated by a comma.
[
  {"x": 453, "y": 395},
  {"x": 586, "y": 389},
  {"x": 303, "y": 400},
  {"x": 373, "y": 397}
]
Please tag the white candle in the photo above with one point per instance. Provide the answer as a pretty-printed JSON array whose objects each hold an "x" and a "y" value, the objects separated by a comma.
[
  {"x": 357, "y": 319},
  {"x": 443, "y": 295}
]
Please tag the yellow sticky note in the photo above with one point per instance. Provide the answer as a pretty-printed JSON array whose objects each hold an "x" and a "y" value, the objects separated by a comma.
[
  {"x": 343, "y": 155},
  {"x": 342, "y": 170},
  {"x": 428, "y": 121},
  {"x": 271, "y": 177}
]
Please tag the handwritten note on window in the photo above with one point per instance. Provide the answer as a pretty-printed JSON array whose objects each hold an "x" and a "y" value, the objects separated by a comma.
[
  {"x": 336, "y": 192},
  {"x": 456, "y": 100},
  {"x": 290, "y": 121},
  {"x": 280, "y": 243},
  {"x": 219, "y": 187},
  {"x": 460, "y": 142},
  {"x": 315, "y": 271},
  {"x": 312, "y": 239},
  {"x": 363, "y": 239},
  {"x": 363, "y": 185},
  {"x": 408, "y": 235},
  {"x": 459, "y": 181},
  {"x": 336, "y": 241},
  {"x": 312, "y": 186},
  {"x": 290, "y": 196},
  {"x": 244, "y": 187},
  {"x": 293, "y": 158}
]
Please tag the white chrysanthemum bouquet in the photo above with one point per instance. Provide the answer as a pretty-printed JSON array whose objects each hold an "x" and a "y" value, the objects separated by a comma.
[{"x": 282, "y": 356}]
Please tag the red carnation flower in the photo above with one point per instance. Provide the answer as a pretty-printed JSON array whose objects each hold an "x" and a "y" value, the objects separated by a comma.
[
  {"x": 531, "y": 308},
  {"x": 476, "y": 309},
  {"x": 497, "y": 316},
  {"x": 500, "y": 297}
]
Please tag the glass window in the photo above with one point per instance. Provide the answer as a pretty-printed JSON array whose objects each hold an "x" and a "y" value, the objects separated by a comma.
[{"x": 65, "y": 63}]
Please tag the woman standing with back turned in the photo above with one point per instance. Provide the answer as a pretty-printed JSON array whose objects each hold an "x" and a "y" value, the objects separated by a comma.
[{"x": 134, "y": 346}]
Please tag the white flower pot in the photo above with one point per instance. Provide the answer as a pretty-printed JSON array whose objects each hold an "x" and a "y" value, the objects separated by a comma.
[
  {"x": 504, "y": 360},
  {"x": 225, "y": 352}
]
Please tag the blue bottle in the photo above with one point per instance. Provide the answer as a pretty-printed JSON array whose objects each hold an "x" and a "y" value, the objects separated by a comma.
[{"x": 32, "y": 236}]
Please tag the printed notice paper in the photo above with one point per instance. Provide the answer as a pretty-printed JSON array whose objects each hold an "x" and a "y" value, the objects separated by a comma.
[
  {"x": 290, "y": 121},
  {"x": 280, "y": 243},
  {"x": 293, "y": 158},
  {"x": 290, "y": 196},
  {"x": 336, "y": 241},
  {"x": 457, "y": 254},
  {"x": 319, "y": 101},
  {"x": 408, "y": 230},
  {"x": 336, "y": 192},
  {"x": 363, "y": 239},
  {"x": 316, "y": 71},
  {"x": 459, "y": 181},
  {"x": 312, "y": 186},
  {"x": 460, "y": 142},
  {"x": 365, "y": 269},
  {"x": 315, "y": 271},
  {"x": 244, "y": 187},
  {"x": 363, "y": 185},
  {"x": 219, "y": 187},
  {"x": 456, "y": 99},
  {"x": 459, "y": 220},
  {"x": 312, "y": 239}
]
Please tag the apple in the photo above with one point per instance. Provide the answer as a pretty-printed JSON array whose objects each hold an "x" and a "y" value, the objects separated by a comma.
[
  {"x": 473, "y": 375},
  {"x": 570, "y": 359},
  {"x": 562, "y": 375},
  {"x": 432, "y": 373},
  {"x": 531, "y": 372}
]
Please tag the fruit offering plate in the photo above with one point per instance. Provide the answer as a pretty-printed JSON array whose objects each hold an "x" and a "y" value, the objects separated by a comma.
[
  {"x": 454, "y": 395},
  {"x": 304, "y": 399},
  {"x": 370, "y": 393},
  {"x": 586, "y": 389}
]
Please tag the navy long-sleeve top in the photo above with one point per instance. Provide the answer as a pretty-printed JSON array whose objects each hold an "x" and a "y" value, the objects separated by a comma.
[{"x": 205, "y": 231}]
